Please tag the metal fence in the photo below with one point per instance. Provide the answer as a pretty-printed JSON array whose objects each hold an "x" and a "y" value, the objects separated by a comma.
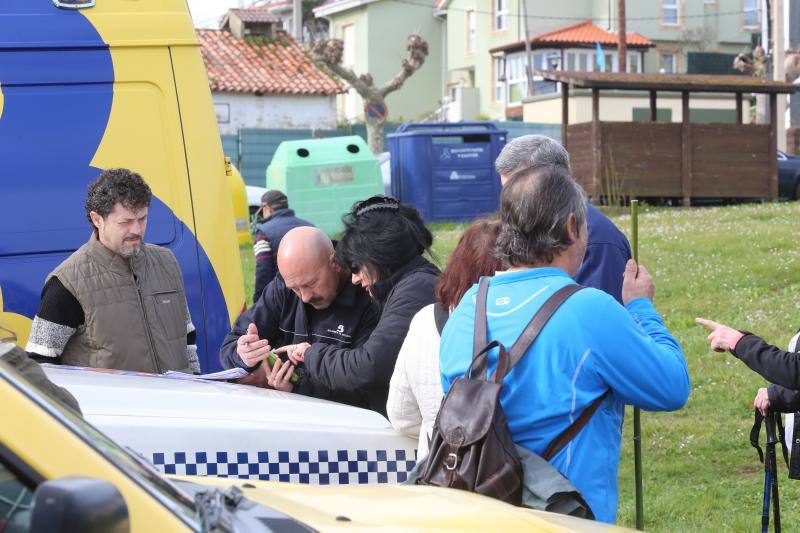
[{"x": 251, "y": 150}]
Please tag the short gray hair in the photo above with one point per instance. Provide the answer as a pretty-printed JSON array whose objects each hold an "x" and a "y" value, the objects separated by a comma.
[
  {"x": 531, "y": 151},
  {"x": 535, "y": 209}
]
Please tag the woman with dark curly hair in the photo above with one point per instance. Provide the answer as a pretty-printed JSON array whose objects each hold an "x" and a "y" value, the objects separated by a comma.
[{"x": 382, "y": 246}]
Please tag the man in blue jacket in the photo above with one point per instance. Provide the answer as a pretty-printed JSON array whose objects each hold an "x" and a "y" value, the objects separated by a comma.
[
  {"x": 278, "y": 220},
  {"x": 591, "y": 345},
  {"x": 608, "y": 249}
]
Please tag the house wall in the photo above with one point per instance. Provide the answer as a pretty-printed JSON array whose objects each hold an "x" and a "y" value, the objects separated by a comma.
[
  {"x": 382, "y": 29},
  {"x": 724, "y": 34},
  {"x": 274, "y": 111},
  {"x": 619, "y": 106},
  {"x": 722, "y": 21}
]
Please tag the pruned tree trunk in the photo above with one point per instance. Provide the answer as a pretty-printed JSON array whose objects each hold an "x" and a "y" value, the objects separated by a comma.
[
  {"x": 375, "y": 136},
  {"x": 327, "y": 55}
]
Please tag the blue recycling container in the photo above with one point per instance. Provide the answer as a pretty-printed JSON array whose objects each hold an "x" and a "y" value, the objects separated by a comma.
[{"x": 446, "y": 170}]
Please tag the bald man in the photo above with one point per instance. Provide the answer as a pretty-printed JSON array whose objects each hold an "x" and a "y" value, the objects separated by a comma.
[{"x": 311, "y": 301}]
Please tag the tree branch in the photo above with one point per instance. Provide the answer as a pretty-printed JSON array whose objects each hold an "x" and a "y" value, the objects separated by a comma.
[
  {"x": 417, "y": 49},
  {"x": 328, "y": 56}
]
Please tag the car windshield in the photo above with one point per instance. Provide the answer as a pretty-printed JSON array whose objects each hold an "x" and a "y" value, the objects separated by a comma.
[{"x": 133, "y": 465}]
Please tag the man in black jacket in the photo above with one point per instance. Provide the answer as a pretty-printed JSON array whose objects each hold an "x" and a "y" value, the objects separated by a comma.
[
  {"x": 278, "y": 221},
  {"x": 311, "y": 301}
]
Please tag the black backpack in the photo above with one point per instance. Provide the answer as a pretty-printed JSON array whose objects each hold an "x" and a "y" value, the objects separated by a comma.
[{"x": 471, "y": 446}]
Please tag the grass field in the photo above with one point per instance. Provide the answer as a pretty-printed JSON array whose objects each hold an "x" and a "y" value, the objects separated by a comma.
[{"x": 739, "y": 265}]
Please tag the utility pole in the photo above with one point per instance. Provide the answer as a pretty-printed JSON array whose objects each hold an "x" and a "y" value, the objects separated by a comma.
[
  {"x": 778, "y": 67},
  {"x": 528, "y": 56},
  {"x": 297, "y": 20},
  {"x": 622, "y": 45}
]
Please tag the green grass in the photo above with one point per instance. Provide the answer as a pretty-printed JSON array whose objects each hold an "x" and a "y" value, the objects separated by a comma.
[{"x": 739, "y": 265}]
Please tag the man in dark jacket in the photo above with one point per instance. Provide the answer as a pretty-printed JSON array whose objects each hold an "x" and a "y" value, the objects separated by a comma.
[
  {"x": 608, "y": 250},
  {"x": 311, "y": 301},
  {"x": 277, "y": 220}
]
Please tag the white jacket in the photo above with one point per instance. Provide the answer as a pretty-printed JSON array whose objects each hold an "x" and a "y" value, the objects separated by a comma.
[{"x": 415, "y": 390}]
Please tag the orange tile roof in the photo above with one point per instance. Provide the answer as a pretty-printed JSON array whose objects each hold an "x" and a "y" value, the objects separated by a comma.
[
  {"x": 589, "y": 33},
  {"x": 581, "y": 34},
  {"x": 255, "y": 65}
]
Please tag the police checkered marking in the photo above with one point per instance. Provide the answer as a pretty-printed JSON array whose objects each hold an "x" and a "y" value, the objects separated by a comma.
[{"x": 322, "y": 467}]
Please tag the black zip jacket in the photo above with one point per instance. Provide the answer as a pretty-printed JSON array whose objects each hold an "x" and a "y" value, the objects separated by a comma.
[
  {"x": 782, "y": 369},
  {"x": 282, "y": 318},
  {"x": 364, "y": 371}
]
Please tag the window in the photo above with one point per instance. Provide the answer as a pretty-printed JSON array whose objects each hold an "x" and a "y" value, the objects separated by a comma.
[
  {"x": 499, "y": 78},
  {"x": 516, "y": 78},
  {"x": 610, "y": 62},
  {"x": 349, "y": 39},
  {"x": 634, "y": 63},
  {"x": 470, "y": 32},
  {"x": 751, "y": 15},
  {"x": 667, "y": 62},
  {"x": 500, "y": 15},
  {"x": 670, "y": 12},
  {"x": 350, "y": 104}
]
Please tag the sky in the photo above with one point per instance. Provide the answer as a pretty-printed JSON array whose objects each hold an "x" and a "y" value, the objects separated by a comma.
[{"x": 207, "y": 13}]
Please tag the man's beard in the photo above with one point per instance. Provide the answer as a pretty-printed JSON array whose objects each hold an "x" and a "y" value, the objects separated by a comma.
[{"x": 130, "y": 250}]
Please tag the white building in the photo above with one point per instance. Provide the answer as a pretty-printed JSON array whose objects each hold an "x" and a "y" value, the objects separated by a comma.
[{"x": 261, "y": 78}]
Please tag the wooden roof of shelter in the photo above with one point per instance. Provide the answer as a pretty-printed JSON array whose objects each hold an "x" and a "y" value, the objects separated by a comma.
[{"x": 668, "y": 82}]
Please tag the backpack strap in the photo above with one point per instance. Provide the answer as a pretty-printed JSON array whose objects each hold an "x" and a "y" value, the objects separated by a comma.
[
  {"x": 440, "y": 316},
  {"x": 479, "y": 340},
  {"x": 574, "y": 428},
  {"x": 538, "y": 322}
]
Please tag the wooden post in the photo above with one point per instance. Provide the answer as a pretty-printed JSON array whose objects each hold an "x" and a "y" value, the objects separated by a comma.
[
  {"x": 596, "y": 143},
  {"x": 564, "y": 113},
  {"x": 622, "y": 38},
  {"x": 773, "y": 146},
  {"x": 739, "y": 108},
  {"x": 686, "y": 152},
  {"x": 653, "y": 107}
]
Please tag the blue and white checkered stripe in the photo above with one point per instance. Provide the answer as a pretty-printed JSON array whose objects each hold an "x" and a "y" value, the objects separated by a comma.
[{"x": 322, "y": 467}]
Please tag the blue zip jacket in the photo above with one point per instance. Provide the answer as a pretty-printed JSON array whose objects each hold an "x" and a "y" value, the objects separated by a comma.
[{"x": 591, "y": 344}]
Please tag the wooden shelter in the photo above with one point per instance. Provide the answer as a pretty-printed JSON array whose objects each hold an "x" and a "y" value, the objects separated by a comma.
[{"x": 675, "y": 160}]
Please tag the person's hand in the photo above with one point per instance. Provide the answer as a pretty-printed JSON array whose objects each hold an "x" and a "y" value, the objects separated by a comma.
[
  {"x": 280, "y": 374},
  {"x": 256, "y": 378},
  {"x": 296, "y": 352},
  {"x": 762, "y": 401},
  {"x": 722, "y": 337},
  {"x": 636, "y": 282},
  {"x": 250, "y": 348}
]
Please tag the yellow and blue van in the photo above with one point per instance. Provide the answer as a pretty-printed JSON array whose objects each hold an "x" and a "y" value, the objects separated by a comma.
[{"x": 88, "y": 85}]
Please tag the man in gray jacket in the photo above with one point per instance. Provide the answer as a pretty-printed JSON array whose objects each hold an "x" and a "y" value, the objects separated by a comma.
[{"x": 116, "y": 302}]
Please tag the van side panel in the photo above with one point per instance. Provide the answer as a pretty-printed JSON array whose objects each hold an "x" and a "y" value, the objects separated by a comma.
[{"x": 211, "y": 197}]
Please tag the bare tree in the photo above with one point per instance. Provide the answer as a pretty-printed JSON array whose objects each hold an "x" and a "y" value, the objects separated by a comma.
[
  {"x": 754, "y": 65},
  {"x": 700, "y": 37},
  {"x": 792, "y": 64},
  {"x": 327, "y": 55}
]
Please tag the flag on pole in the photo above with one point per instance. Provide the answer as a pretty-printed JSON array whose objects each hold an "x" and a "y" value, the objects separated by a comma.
[{"x": 599, "y": 57}]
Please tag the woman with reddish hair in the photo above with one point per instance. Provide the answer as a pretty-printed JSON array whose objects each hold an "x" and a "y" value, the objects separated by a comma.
[{"x": 415, "y": 390}]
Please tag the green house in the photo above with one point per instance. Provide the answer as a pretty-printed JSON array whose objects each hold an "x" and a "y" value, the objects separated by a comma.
[{"x": 323, "y": 178}]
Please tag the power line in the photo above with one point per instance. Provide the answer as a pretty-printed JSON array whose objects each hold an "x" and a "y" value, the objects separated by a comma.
[{"x": 577, "y": 19}]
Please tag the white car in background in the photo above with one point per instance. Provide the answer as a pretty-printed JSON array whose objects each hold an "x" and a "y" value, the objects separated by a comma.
[{"x": 208, "y": 428}]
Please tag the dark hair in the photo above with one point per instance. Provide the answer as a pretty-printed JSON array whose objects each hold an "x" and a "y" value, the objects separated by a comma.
[
  {"x": 535, "y": 206},
  {"x": 472, "y": 258},
  {"x": 382, "y": 235},
  {"x": 116, "y": 185}
]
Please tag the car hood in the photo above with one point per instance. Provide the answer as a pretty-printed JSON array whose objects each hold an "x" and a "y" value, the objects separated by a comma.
[{"x": 400, "y": 507}]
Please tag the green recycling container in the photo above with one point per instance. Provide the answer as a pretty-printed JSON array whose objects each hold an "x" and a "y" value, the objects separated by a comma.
[{"x": 324, "y": 177}]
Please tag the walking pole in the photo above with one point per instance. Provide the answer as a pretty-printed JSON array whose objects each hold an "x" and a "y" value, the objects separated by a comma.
[
  {"x": 637, "y": 424},
  {"x": 772, "y": 469}
]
